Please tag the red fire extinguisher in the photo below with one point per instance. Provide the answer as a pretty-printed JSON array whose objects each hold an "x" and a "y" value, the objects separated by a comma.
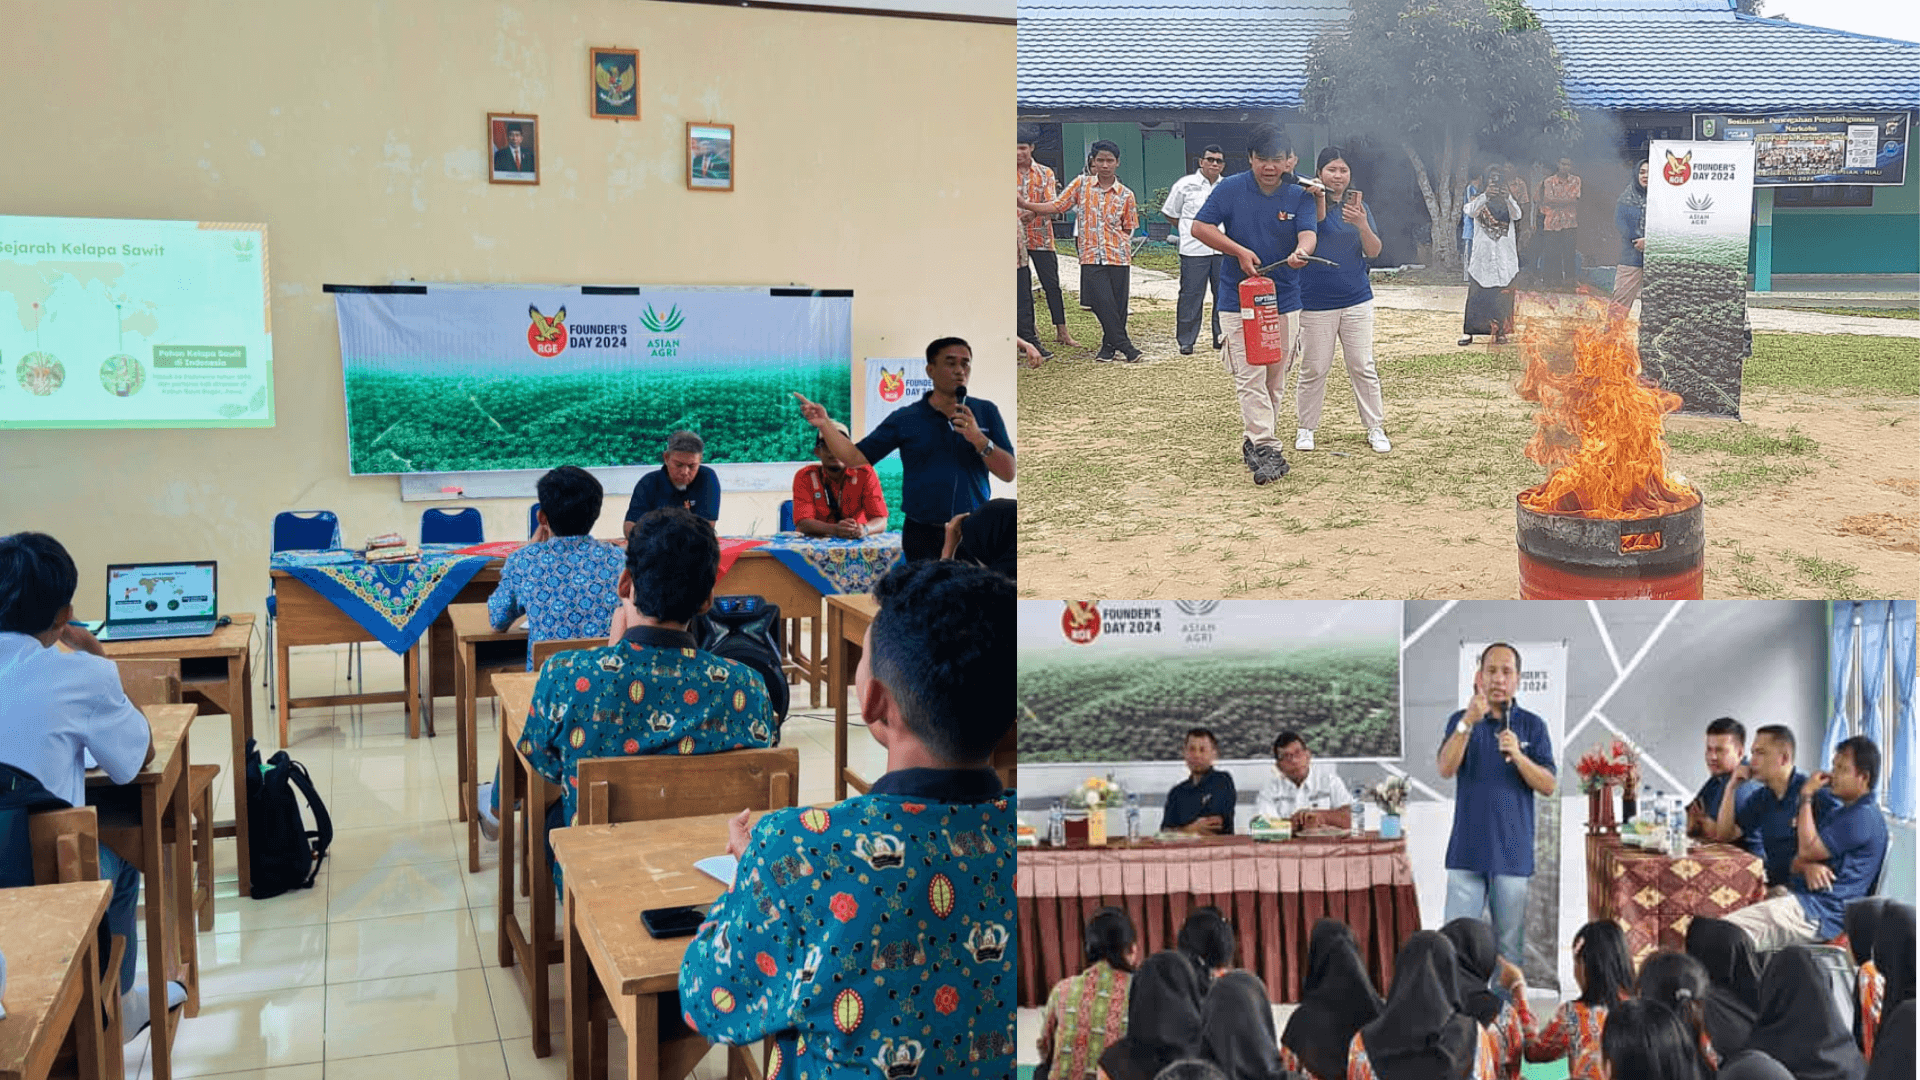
[{"x": 1260, "y": 323}]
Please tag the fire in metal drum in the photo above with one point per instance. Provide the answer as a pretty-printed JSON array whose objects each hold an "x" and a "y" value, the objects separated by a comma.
[{"x": 1569, "y": 557}]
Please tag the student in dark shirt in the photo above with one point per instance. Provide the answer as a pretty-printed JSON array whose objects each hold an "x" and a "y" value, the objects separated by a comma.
[
  {"x": 681, "y": 482},
  {"x": 1764, "y": 819},
  {"x": 1726, "y": 751},
  {"x": 1203, "y": 802}
]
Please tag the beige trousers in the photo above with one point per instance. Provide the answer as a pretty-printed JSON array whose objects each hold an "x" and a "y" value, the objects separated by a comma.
[
  {"x": 1258, "y": 386},
  {"x": 1352, "y": 327},
  {"x": 1775, "y": 923}
]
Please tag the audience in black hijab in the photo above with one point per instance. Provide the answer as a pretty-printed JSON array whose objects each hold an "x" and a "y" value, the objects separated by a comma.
[
  {"x": 1799, "y": 1025},
  {"x": 1421, "y": 1032},
  {"x": 1336, "y": 1001},
  {"x": 1893, "y": 955},
  {"x": 1163, "y": 1017},
  {"x": 1893, "y": 1045},
  {"x": 1733, "y": 1001},
  {"x": 1475, "y": 957},
  {"x": 1236, "y": 1029},
  {"x": 1644, "y": 1040}
]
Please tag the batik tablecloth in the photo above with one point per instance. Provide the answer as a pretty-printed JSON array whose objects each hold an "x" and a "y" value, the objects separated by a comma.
[
  {"x": 836, "y": 566},
  {"x": 1271, "y": 892},
  {"x": 1653, "y": 897},
  {"x": 395, "y": 602}
]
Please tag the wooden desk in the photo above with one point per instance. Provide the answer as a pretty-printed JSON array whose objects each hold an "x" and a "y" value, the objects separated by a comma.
[
  {"x": 216, "y": 673},
  {"x": 847, "y": 620},
  {"x": 533, "y": 946},
  {"x": 47, "y": 933},
  {"x": 442, "y": 675},
  {"x": 471, "y": 626},
  {"x": 307, "y": 618},
  {"x": 168, "y": 881},
  {"x": 613, "y": 873}
]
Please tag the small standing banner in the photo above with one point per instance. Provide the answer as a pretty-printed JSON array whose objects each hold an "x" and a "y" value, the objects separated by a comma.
[{"x": 1694, "y": 335}]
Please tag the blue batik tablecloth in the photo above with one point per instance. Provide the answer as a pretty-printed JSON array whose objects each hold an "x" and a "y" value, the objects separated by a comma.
[
  {"x": 395, "y": 602},
  {"x": 836, "y": 566}
]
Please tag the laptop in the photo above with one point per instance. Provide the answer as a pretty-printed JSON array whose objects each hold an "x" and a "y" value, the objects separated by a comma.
[{"x": 160, "y": 600}]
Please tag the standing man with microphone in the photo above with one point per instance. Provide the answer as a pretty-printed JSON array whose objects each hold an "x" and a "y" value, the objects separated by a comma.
[{"x": 1501, "y": 764}]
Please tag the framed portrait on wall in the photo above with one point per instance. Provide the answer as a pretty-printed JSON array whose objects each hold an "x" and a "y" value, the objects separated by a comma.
[
  {"x": 615, "y": 75},
  {"x": 710, "y": 156},
  {"x": 513, "y": 140}
]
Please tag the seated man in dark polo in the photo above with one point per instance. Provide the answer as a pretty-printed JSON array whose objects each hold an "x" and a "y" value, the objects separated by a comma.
[
  {"x": 1726, "y": 751},
  {"x": 653, "y": 691},
  {"x": 1840, "y": 842},
  {"x": 1764, "y": 819},
  {"x": 1203, "y": 802},
  {"x": 875, "y": 937},
  {"x": 680, "y": 481}
]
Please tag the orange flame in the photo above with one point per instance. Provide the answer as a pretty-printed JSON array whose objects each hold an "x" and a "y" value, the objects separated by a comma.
[{"x": 1599, "y": 428}]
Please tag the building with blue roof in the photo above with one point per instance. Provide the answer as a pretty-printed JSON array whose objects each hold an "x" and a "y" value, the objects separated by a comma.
[{"x": 1156, "y": 76}]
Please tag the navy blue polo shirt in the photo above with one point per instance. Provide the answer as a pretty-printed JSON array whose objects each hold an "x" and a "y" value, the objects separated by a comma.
[
  {"x": 1492, "y": 806},
  {"x": 1330, "y": 288},
  {"x": 1269, "y": 224},
  {"x": 655, "y": 491},
  {"x": 1770, "y": 820},
  {"x": 942, "y": 474},
  {"x": 1855, "y": 836},
  {"x": 1188, "y": 801},
  {"x": 1709, "y": 798}
]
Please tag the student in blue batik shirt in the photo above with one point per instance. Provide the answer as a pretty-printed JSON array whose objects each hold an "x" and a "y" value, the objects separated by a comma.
[
  {"x": 875, "y": 937},
  {"x": 1762, "y": 819},
  {"x": 653, "y": 691},
  {"x": 563, "y": 582}
]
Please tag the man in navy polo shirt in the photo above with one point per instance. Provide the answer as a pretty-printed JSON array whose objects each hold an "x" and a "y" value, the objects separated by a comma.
[
  {"x": 1258, "y": 217},
  {"x": 949, "y": 443},
  {"x": 1764, "y": 820},
  {"x": 1202, "y": 803},
  {"x": 1726, "y": 750},
  {"x": 1840, "y": 842},
  {"x": 1503, "y": 756}
]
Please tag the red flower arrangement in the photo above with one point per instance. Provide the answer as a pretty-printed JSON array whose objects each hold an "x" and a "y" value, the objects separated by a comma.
[{"x": 1607, "y": 765}]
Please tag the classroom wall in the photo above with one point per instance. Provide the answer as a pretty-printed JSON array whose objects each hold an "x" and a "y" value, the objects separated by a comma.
[{"x": 870, "y": 154}]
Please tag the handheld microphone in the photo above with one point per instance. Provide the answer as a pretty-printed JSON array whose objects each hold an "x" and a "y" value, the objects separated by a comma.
[{"x": 959, "y": 398}]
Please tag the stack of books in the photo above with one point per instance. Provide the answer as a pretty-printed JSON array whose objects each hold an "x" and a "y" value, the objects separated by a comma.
[{"x": 391, "y": 547}]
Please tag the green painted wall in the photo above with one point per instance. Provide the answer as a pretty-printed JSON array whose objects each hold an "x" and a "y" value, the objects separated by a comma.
[
  {"x": 1880, "y": 239},
  {"x": 1166, "y": 161}
]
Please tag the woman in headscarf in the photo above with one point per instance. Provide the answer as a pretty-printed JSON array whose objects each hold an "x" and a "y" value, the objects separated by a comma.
[
  {"x": 1680, "y": 982},
  {"x": 1603, "y": 970},
  {"x": 1645, "y": 1041},
  {"x": 1893, "y": 956},
  {"x": 1087, "y": 1012},
  {"x": 1727, "y": 953},
  {"x": 1894, "y": 1061},
  {"x": 1493, "y": 262},
  {"x": 1421, "y": 1034},
  {"x": 986, "y": 536},
  {"x": 1862, "y": 920},
  {"x": 1236, "y": 1028},
  {"x": 1337, "y": 1000},
  {"x": 1630, "y": 218},
  {"x": 1799, "y": 1026},
  {"x": 1476, "y": 958},
  {"x": 1163, "y": 1017}
]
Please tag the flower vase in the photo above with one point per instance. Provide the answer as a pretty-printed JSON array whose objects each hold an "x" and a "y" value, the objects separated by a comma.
[
  {"x": 1390, "y": 826},
  {"x": 1097, "y": 827},
  {"x": 1600, "y": 818},
  {"x": 1076, "y": 828}
]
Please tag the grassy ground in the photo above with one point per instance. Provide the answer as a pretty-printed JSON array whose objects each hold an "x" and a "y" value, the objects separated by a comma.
[
  {"x": 1871, "y": 313},
  {"x": 1132, "y": 483}
]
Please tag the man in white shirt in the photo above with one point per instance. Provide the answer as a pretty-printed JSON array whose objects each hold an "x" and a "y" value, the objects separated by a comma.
[
  {"x": 60, "y": 706},
  {"x": 1199, "y": 264},
  {"x": 1309, "y": 795}
]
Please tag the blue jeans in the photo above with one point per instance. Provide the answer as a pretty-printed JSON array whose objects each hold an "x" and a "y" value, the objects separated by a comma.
[
  {"x": 1470, "y": 894},
  {"x": 120, "y": 911}
]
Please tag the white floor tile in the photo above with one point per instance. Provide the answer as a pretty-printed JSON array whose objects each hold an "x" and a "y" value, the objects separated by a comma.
[
  {"x": 252, "y": 1031},
  {"x": 472, "y": 1061},
  {"x": 379, "y": 892},
  {"x": 414, "y": 1012},
  {"x": 243, "y": 962},
  {"x": 400, "y": 945}
]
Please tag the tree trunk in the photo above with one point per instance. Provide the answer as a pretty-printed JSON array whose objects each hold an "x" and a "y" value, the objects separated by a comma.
[{"x": 1444, "y": 202}]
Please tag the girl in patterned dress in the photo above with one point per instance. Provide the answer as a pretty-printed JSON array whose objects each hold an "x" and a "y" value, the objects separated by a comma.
[
  {"x": 1733, "y": 1001},
  {"x": 1421, "y": 1034},
  {"x": 1862, "y": 920},
  {"x": 1680, "y": 982},
  {"x": 1086, "y": 1013},
  {"x": 1337, "y": 1000},
  {"x": 1604, "y": 973},
  {"x": 1644, "y": 1040}
]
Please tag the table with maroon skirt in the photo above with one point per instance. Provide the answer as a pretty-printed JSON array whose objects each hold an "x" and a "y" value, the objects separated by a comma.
[
  {"x": 1654, "y": 896},
  {"x": 1272, "y": 892}
]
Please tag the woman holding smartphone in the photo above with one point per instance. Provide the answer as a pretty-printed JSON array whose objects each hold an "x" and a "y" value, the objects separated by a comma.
[{"x": 1337, "y": 304}]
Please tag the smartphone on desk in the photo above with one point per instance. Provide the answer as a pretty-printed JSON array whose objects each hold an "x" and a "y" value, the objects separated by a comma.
[{"x": 672, "y": 922}]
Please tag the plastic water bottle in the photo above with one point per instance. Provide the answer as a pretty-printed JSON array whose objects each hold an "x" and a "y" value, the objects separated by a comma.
[
  {"x": 1057, "y": 825},
  {"x": 1357, "y": 814},
  {"x": 1677, "y": 829},
  {"x": 1133, "y": 817}
]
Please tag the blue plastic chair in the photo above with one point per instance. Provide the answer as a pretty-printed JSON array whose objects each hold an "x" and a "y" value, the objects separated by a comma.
[
  {"x": 533, "y": 519},
  {"x": 461, "y": 526},
  {"x": 298, "y": 530},
  {"x": 786, "y": 516}
]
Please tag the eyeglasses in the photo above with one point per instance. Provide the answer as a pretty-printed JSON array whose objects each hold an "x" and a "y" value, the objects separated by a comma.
[{"x": 1213, "y": 161}]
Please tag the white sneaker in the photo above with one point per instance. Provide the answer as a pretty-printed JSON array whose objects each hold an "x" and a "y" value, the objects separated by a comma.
[
  {"x": 136, "y": 1013},
  {"x": 1303, "y": 439},
  {"x": 1377, "y": 439},
  {"x": 483, "y": 803}
]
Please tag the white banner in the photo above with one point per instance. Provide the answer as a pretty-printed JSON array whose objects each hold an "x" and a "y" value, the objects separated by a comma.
[
  {"x": 1694, "y": 337},
  {"x": 888, "y": 385},
  {"x": 1697, "y": 190}
]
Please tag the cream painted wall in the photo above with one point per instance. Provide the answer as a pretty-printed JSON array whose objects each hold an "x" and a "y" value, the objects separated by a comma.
[{"x": 871, "y": 155}]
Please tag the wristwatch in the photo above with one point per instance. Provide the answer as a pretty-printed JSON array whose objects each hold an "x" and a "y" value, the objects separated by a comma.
[{"x": 987, "y": 450}]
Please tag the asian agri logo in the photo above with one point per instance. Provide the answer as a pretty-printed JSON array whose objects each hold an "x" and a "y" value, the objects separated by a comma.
[
  {"x": 662, "y": 325},
  {"x": 1677, "y": 170},
  {"x": 1081, "y": 621},
  {"x": 893, "y": 384},
  {"x": 546, "y": 336}
]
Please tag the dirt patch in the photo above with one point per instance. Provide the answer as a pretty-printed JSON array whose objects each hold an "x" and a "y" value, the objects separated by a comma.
[
  {"x": 1132, "y": 483},
  {"x": 1895, "y": 532}
]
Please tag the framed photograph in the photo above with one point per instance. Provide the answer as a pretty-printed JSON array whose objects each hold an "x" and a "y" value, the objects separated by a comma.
[
  {"x": 513, "y": 141},
  {"x": 710, "y": 157},
  {"x": 615, "y": 75}
]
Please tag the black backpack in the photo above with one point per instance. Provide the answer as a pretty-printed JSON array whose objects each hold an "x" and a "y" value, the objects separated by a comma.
[
  {"x": 747, "y": 629},
  {"x": 286, "y": 854}
]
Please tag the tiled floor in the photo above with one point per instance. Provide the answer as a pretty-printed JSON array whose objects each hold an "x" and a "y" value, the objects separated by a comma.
[{"x": 387, "y": 967}]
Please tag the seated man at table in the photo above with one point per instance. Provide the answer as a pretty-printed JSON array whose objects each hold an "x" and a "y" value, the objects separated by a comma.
[
  {"x": 832, "y": 499},
  {"x": 1307, "y": 793},
  {"x": 1726, "y": 751},
  {"x": 1764, "y": 819},
  {"x": 875, "y": 937},
  {"x": 1203, "y": 802},
  {"x": 680, "y": 482},
  {"x": 60, "y": 706},
  {"x": 1840, "y": 842},
  {"x": 654, "y": 691}
]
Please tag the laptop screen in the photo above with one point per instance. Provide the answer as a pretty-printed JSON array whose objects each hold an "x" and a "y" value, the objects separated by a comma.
[{"x": 162, "y": 591}]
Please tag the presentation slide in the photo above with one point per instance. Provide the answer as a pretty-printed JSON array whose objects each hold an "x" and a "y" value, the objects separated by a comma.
[
  {"x": 128, "y": 324},
  {"x": 179, "y": 591}
]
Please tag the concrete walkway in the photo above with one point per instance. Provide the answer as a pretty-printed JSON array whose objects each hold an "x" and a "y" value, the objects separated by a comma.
[{"x": 1155, "y": 285}]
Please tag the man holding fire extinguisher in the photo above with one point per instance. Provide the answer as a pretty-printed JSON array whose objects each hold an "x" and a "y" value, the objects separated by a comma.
[{"x": 1262, "y": 218}]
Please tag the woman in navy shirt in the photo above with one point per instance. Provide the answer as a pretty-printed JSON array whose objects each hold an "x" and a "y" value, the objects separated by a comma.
[{"x": 1336, "y": 303}]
